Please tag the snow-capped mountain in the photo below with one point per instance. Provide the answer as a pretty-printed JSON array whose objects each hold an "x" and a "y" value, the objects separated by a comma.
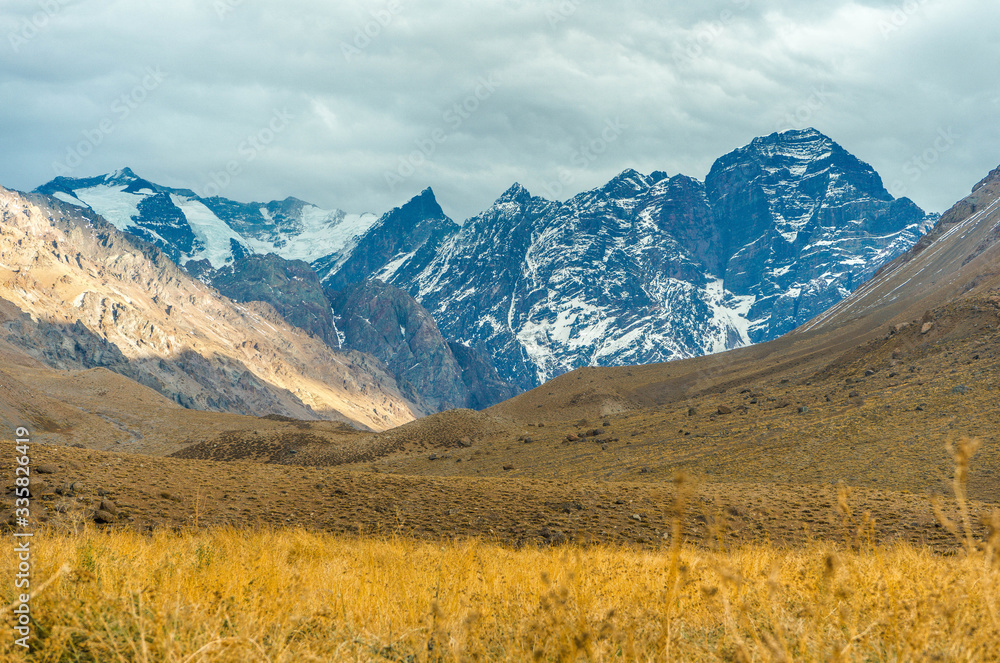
[
  {"x": 652, "y": 268},
  {"x": 77, "y": 294},
  {"x": 647, "y": 268},
  {"x": 804, "y": 223},
  {"x": 211, "y": 232}
]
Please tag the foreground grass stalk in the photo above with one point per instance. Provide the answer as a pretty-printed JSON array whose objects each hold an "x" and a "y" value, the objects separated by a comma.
[{"x": 292, "y": 595}]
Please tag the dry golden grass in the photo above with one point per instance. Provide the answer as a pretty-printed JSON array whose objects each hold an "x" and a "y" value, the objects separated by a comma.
[{"x": 292, "y": 595}]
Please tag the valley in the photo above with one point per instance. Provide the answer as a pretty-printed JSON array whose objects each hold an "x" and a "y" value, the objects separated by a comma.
[
  {"x": 549, "y": 332},
  {"x": 867, "y": 428}
]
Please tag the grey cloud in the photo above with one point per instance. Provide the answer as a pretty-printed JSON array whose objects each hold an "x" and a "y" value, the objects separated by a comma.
[{"x": 372, "y": 88}]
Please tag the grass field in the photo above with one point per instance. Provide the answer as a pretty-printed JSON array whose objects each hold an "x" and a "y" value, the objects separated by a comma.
[{"x": 293, "y": 595}]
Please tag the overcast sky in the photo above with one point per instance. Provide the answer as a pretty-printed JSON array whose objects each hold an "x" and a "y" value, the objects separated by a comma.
[{"x": 360, "y": 105}]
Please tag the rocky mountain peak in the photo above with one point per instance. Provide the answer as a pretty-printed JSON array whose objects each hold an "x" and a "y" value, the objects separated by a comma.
[
  {"x": 121, "y": 176},
  {"x": 803, "y": 156},
  {"x": 627, "y": 184},
  {"x": 515, "y": 194},
  {"x": 423, "y": 206},
  {"x": 400, "y": 242}
]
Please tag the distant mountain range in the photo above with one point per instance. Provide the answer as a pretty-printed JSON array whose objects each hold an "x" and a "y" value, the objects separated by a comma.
[{"x": 647, "y": 268}]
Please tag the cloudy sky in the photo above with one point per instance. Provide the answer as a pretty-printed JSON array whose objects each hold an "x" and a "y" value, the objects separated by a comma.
[{"x": 360, "y": 105}]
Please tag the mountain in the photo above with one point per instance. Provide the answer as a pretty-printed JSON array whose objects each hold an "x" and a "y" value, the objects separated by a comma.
[
  {"x": 257, "y": 252},
  {"x": 651, "y": 268},
  {"x": 920, "y": 330},
  {"x": 803, "y": 224},
  {"x": 212, "y": 232},
  {"x": 81, "y": 295},
  {"x": 644, "y": 269}
]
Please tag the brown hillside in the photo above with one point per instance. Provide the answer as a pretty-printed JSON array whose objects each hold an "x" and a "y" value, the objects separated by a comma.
[{"x": 75, "y": 287}]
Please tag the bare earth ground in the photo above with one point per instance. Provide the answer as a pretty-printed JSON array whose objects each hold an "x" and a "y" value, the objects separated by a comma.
[
  {"x": 149, "y": 493},
  {"x": 764, "y": 450}
]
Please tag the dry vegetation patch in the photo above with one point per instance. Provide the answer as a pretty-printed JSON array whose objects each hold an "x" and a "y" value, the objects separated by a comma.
[{"x": 294, "y": 595}]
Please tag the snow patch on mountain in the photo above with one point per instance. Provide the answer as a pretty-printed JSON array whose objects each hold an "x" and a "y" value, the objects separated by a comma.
[
  {"x": 729, "y": 317},
  {"x": 72, "y": 200},
  {"x": 112, "y": 203},
  {"x": 212, "y": 231},
  {"x": 322, "y": 232}
]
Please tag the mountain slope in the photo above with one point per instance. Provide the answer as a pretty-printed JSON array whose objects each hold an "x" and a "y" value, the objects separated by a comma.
[
  {"x": 290, "y": 286},
  {"x": 69, "y": 268},
  {"x": 389, "y": 324}
]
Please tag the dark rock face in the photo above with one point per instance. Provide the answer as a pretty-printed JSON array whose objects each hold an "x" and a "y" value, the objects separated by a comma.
[
  {"x": 387, "y": 323},
  {"x": 290, "y": 286},
  {"x": 167, "y": 227},
  {"x": 484, "y": 384},
  {"x": 803, "y": 223},
  {"x": 64, "y": 347},
  {"x": 685, "y": 214}
]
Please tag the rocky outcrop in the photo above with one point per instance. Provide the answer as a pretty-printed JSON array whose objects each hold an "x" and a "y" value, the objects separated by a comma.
[
  {"x": 290, "y": 286},
  {"x": 400, "y": 243},
  {"x": 389, "y": 324}
]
